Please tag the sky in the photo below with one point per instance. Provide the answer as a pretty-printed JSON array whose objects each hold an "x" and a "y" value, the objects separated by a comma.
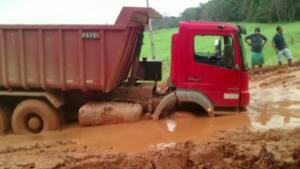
[{"x": 81, "y": 11}]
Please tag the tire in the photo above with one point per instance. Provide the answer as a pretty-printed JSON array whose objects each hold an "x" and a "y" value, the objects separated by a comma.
[
  {"x": 46, "y": 115},
  {"x": 5, "y": 115}
]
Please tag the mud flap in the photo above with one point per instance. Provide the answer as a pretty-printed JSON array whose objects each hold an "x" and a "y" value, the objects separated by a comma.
[
  {"x": 168, "y": 101},
  {"x": 184, "y": 96},
  {"x": 196, "y": 97}
]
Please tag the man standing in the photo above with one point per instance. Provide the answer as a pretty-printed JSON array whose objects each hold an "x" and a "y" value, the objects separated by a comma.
[
  {"x": 257, "y": 42},
  {"x": 281, "y": 47}
]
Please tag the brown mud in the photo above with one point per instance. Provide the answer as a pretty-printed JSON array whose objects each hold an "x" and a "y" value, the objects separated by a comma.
[
  {"x": 267, "y": 135},
  {"x": 239, "y": 148}
]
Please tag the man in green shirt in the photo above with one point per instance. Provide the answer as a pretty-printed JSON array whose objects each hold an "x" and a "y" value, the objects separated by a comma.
[{"x": 257, "y": 42}]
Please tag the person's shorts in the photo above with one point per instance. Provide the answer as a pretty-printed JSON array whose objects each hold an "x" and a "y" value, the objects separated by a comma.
[
  {"x": 257, "y": 58},
  {"x": 284, "y": 52}
]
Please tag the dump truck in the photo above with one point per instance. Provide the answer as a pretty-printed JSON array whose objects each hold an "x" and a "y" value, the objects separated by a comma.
[{"x": 49, "y": 69}]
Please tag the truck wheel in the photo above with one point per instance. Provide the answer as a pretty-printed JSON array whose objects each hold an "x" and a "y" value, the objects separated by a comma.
[
  {"x": 34, "y": 116},
  {"x": 4, "y": 119}
]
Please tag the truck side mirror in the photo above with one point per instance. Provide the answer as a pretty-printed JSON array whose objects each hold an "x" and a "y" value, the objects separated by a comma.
[{"x": 243, "y": 29}]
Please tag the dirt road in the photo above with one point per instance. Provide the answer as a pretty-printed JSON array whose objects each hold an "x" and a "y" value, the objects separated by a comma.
[{"x": 250, "y": 139}]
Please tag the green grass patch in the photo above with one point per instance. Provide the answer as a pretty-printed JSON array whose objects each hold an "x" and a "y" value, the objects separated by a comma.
[{"x": 162, "y": 40}]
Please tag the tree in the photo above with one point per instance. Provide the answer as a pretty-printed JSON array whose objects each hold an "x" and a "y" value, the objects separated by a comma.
[
  {"x": 238, "y": 10},
  {"x": 191, "y": 14}
]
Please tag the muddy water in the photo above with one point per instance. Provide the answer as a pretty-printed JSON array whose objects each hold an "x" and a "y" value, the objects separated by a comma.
[
  {"x": 275, "y": 108},
  {"x": 142, "y": 135},
  {"x": 275, "y": 100},
  {"x": 268, "y": 109},
  {"x": 271, "y": 107}
]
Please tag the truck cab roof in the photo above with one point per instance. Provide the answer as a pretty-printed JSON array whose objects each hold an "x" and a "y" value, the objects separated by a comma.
[{"x": 209, "y": 26}]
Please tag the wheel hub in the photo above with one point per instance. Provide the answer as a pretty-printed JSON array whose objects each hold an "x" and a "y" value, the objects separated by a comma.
[{"x": 35, "y": 124}]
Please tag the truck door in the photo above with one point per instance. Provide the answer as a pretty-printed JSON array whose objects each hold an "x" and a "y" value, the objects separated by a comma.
[{"x": 213, "y": 68}]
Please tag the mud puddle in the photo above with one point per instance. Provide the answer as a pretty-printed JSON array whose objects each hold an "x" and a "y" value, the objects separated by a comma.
[
  {"x": 142, "y": 135},
  {"x": 271, "y": 107},
  {"x": 182, "y": 126},
  {"x": 275, "y": 99},
  {"x": 275, "y": 108},
  {"x": 231, "y": 149}
]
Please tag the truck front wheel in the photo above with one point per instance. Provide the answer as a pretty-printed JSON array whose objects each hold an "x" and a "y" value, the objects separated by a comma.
[
  {"x": 4, "y": 119},
  {"x": 34, "y": 116}
]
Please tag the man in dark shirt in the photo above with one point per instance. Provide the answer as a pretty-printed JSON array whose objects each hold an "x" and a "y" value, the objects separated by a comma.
[
  {"x": 280, "y": 47},
  {"x": 257, "y": 42}
]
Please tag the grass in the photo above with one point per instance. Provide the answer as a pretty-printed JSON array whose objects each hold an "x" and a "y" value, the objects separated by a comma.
[{"x": 162, "y": 40}]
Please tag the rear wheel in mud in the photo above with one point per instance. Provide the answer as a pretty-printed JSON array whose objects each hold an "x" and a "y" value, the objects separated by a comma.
[
  {"x": 34, "y": 116},
  {"x": 4, "y": 119}
]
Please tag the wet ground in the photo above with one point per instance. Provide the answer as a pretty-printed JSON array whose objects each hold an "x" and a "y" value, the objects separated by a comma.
[
  {"x": 275, "y": 104},
  {"x": 275, "y": 99}
]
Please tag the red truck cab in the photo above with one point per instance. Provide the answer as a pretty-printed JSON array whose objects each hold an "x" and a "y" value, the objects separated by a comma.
[{"x": 209, "y": 58}]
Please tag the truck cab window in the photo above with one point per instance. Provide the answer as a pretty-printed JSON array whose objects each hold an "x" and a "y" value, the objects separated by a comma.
[{"x": 214, "y": 50}]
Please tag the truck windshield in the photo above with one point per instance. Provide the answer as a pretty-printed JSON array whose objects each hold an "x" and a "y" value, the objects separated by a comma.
[{"x": 244, "y": 58}]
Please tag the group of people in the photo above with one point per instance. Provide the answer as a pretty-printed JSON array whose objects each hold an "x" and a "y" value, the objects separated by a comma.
[{"x": 257, "y": 41}]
